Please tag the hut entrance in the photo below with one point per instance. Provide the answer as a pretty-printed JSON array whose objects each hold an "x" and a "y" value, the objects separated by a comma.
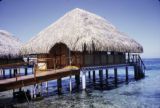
[{"x": 60, "y": 54}]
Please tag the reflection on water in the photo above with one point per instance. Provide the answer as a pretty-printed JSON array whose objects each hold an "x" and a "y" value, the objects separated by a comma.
[{"x": 144, "y": 93}]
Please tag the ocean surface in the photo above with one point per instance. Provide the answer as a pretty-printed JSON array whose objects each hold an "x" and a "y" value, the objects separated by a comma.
[{"x": 144, "y": 93}]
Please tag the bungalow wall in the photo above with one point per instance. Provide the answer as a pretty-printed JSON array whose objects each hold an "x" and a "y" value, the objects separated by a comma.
[
  {"x": 79, "y": 59},
  {"x": 5, "y": 60}
]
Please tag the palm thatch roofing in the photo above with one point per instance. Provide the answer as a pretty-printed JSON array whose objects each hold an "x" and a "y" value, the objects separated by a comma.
[
  {"x": 9, "y": 45},
  {"x": 79, "y": 28}
]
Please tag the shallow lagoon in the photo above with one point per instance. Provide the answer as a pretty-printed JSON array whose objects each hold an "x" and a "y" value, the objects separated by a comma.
[{"x": 144, "y": 93}]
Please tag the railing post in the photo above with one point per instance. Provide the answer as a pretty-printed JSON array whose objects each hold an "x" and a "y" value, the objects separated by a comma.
[
  {"x": 10, "y": 73},
  {"x": 4, "y": 76}
]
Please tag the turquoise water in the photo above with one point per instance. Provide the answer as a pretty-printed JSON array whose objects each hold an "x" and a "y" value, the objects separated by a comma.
[{"x": 144, "y": 93}]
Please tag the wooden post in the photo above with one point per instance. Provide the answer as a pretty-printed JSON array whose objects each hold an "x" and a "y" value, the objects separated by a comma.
[
  {"x": 46, "y": 85},
  {"x": 10, "y": 73},
  {"x": 59, "y": 85},
  {"x": 126, "y": 73},
  {"x": 107, "y": 74},
  {"x": 70, "y": 83},
  {"x": 19, "y": 71},
  {"x": 135, "y": 72},
  {"x": 114, "y": 58},
  {"x": 77, "y": 78},
  {"x": 4, "y": 76},
  {"x": 94, "y": 76},
  {"x": 83, "y": 80},
  {"x": 14, "y": 72},
  {"x": 41, "y": 88},
  {"x": 1, "y": 73},
  {"x": 26, "y": 71},
  {"x": 101, "y": 78},
  {"x": 34, "y": 91},
  {"x": 107, "y": 59},
  {"x": 89, "y": 74},
  {"x": 115, "y": 76}
]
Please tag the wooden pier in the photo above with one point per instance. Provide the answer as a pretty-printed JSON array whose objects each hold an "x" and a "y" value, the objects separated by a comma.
[{"x": 39, "y": 77}]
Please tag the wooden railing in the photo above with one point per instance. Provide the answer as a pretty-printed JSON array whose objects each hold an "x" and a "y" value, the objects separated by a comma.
[{"x": 135, "y": 59}]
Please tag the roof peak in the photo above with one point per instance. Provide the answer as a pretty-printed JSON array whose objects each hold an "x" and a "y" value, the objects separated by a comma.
[{"x": 79, "y": 10}]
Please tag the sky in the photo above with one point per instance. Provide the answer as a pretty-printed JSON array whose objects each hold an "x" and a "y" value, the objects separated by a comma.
[{"x": 140, "y": 19}]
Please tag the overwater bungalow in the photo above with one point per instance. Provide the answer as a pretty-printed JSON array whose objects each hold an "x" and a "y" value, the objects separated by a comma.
[
  {"x": 9, "y": 51},
  {"x": 81, "y": 39},
  {"x": 78, "y": 41}
]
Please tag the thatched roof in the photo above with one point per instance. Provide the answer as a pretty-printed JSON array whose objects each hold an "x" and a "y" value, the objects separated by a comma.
[
  {"x": 79, "y": 27},
  {"x": 9, "y": 45}
]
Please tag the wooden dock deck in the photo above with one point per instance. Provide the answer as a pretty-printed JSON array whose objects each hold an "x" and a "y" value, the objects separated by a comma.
[{"x": 41, "y": 76}]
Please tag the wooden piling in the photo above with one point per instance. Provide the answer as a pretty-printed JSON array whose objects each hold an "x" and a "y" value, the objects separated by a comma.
[
  {"x": 115, "y": 76},
  {"x": 135, "y": 73},
  {"x": 34, "y": 91},
  {"x": 106, "y": 74},
  {"x": 41, "y": 88},
  {"x": 77, "y": 78},
  {"x": 46, "y": 85},
  {"x": 89, "y": 74},
  {"x": 70, "y": 83},
  {"x": 94, "y": 76},
  {"x": 83, "y": 80},
  {"x": 59, "y": 85},
  {"x": 126, "y": 74},
  {"x": 101, "y": 78}
]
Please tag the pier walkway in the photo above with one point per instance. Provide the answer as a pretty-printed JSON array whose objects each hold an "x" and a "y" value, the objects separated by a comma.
[{"x": 40, "y": 76}]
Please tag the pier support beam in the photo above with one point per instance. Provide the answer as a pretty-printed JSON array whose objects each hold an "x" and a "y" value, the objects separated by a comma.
[
  {"x": 106, "y": 74},
  {"x": 59, "y": 85},
  {"x": 101, "y": 78},
  {"x": 77, "y": 78},
  {"x": 115, "y": 76},
  {"x": 89, "y": 74},
  {"x": 83, "y": 80},
  {"x": 34, "y": 91},
  {"x": 126, "y": 73},
  {"x": 135, "y": 73},
  {"x": 46, "y": 86},
  {"x": 70, "y": 83},
  {"x": 94, "y": 76},
  {"x": 38, "y": 90}
]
